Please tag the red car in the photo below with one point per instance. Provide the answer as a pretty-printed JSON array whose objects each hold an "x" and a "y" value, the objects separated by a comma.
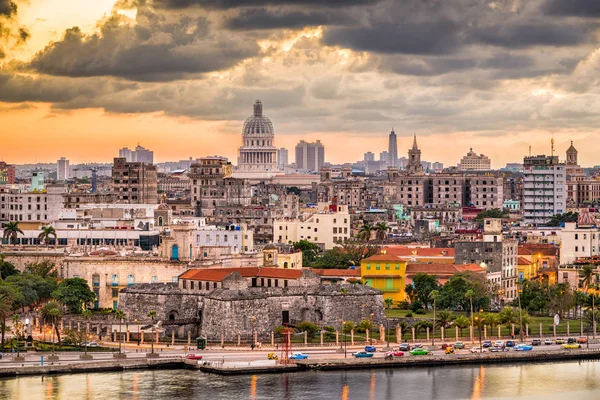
[
  {"x": 194, "y": 357},
  {"x": 394, "y": 353},
  {"x": 445, "y": 345}
]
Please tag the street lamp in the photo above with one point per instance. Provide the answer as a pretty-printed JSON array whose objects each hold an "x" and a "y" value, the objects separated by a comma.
[
  {"x": 479, "y": 320},
  {"x": 344, "y": 332},
  {"x": 371, "y": 332},
  {"x": 252, "y": 319}
]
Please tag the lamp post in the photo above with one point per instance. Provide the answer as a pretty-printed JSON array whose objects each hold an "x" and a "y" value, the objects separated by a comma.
[
  {"x": 344, "y": 332},
  {"x": 370, "y": 332},
  {"x": 478, "y": 320},
  {"x": 252, "y": 319}
]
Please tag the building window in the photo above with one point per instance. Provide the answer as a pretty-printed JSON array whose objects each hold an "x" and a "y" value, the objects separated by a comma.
[
  {"x": 130, "y": 280},
  {"x": 154, "y": 279},
  {"x": 387, "y": 267},
  {"x": 115, "y": 293},
  {"x": 377, "y": 267}
]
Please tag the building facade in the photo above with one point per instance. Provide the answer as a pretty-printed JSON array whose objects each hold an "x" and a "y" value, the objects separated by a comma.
[
  {"x": 62, "y": 170},
  {"x": 310, "y": 156},
  {"x": 393, "y": 149},
  {"x": 7, "y": 173},
  {"x": 282, "y": 158},
  {"x": 134, "y": 182},
  {"x": 474, "y": 162},
  {"x": 544, "y": 188},
  {"x": 258, "y": 152}
]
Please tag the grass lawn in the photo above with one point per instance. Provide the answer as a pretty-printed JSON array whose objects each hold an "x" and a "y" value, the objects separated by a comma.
[{"x": 534, "y": 325}]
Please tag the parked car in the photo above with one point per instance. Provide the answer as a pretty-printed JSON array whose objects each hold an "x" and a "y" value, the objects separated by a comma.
[
  {"x": 536, "y": 342},
  {"x": 298, "y": 356},
  {"x": 449, "y": 350},
  {"x": 511, "y": 343},
  {"x": 444, "y": 346},
  {"x": 417, "y": 346},
  {"x": 370, "y": 349},
  {"x": 571, "y": 340},
  {"x": 571, "y": 346},
  {"x": 193, "y": 356},
  {"x": 523, "y": 347},
  {"x": 582, "y": 339},
  {"x": 477, "y": 349},
  {"x": 404, "y": 347},
  {"x": 548, "y": 342},
  {"x": 560, "y": 341},
  {"x": 419, "y": 352},
  {"x": 499, "y": 343},
  {"x": 487, "y": 344},
  {"x": 459, "y": 345},
  {"x": 497, "y": 349},
  {"x": 362, "y": 354},
  {"x": 91, "y": 344}
]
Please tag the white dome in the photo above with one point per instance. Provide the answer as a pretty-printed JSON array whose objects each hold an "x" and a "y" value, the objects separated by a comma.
[{"x": 258, "y": 125}]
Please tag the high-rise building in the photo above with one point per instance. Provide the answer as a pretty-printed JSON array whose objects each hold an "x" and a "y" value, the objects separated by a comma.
[
  {"x": 368, "y": 156},
  {"x": 134, "y": 182},
  {"x": 393, "y": 149},
  {"x": 474, "y": 162},
  {"x": 7, "y": 173},
  {"x": 544, "y": 188},
  {"x": 62, "y": 169},
  {"x": 257, "y": 153},
  {"x": 384, "y": 157},
  {"x": 310, "y": 156},
  {"x": 140, "y": 154},
  {"x": 282, "y": 158},
  {"x": 37, "y": 181}
]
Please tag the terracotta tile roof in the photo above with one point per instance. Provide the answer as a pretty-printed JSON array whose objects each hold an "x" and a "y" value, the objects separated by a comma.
[
  {"x": 218, "y": 274},
  {"x": 543, "y": 249},
  {"x": 337, "y": 272},
  {"x": 402, "y": 251},
  {"x": 523, "y": 261},
  {"x": 441, "y": 269}
]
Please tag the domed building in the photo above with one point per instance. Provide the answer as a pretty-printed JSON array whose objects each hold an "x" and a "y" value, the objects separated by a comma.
[{"x": 257, "y": 154}]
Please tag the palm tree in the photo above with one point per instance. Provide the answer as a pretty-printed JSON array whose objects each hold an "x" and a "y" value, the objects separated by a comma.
[
  {"x": 365, "y": 231},
  {"x": 52, "y": 313},
  {"x": 579, "y": 300},
  {"x": 389, "y": 302},
  {"x": 462, "y": 322},
  {"x": 152, "y": 315},
  {"x": 120, "y": 314},
  {"x": 403, "y": 327},
  {"x": 11, "y": 231},
  {"x": 492, "y": 320},
  {"x": 6, "y": 307},
  {"x": 587, "y": 279},
  {"x": 381, "y": 230},
  {"x": 45, "y": 234},
  {"x": 434, "y": 295},
  {"x": 444, "y": 319}
]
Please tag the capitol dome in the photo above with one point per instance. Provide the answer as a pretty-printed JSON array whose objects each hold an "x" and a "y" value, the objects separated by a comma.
[
  {"x": 257, "y": 125},
  {"x": 257, "y": 153}
]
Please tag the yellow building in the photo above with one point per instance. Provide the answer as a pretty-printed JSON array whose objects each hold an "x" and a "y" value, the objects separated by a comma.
[
  {"x": 527, "y": 269},
  {"x": 386, "y": 273}
]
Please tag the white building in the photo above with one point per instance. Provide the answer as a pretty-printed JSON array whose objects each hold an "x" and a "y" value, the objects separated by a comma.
[
  {"x": 257, "y": 155},
  {"x": 310, "y": 156},
  {"x": 578, "y": 242},
  {"x": 326, "y": 228},
  {"x": 282, "y": 158},
  {"x": 26, "y": 205},
  {"x": 236, "y": 237},
  {"x": 62, "y": 170},
  {"x": 140, "y": 154},
  {"x": 474, "y": 162},
  {"x": 544, "y": 188}
]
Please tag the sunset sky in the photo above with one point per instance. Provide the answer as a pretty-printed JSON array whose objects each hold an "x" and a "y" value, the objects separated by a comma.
[{"x": 83, "y": 78}]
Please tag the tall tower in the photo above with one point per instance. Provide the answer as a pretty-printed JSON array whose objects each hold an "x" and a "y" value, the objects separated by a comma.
[
  {"x": 393, "y": 150},
  {"x": 414, "y": 158}
]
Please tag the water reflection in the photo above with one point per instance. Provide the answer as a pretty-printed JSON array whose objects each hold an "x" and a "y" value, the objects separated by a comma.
[{"x": 535, "y": 381}]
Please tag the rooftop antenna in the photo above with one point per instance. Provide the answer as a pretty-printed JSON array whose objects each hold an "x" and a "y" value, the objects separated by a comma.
[
  {"x": 552, "y": 144},
  {"x": 529, "y": 150}
]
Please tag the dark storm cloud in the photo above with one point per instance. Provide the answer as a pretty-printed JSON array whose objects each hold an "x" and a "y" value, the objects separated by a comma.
[
  {"x": 534, "y": 33},
  {"x": 428, "y": 37},
  {"x": 576, "y": 8},
  {"x": 227, "y": 4},
  {"x": 8, "y": 8},
  {"x": 153, "y": 49},
  {"x": 262, "y": 18}
]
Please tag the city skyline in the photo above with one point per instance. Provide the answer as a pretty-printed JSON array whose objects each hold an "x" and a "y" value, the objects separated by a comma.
[{"x": 498, "y": 77}]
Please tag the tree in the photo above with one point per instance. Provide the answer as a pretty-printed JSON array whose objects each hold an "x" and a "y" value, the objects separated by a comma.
[
  {"x": 7, "y": 268},
  {"x": 348, "y": 326},
  {"x": 462, "y": 322},
  {"x": 47, "y": 232},
  {"x": 8, "y": 295},
  {"x": 365, "y": 325},
  {"x": 444, "y": 319},
  {"x": 491, "y": 213},
  {"x": 424, "y": 284},
  {"x": 12, "y": 231},
  {"x": 309, "y": 250},
  {"x": 358, "y": 251},
  {"x": 535, "y": 296},
  {"x": 52, "y": 313},
  {"x": 308, "y": 327},
  {"x": 364, "y": 232},
  {"x": 334, "y": 258},
  {"x": 492, "y": 320},
  {"x": 294, "y": 190},
  {"x": 470, "y": 294},
  {"x": 34, "y": 289},
  {"x": 559, "y": 219},
  {"x": 77, "y": 338},
  {"x": 509, "y": 316},
  {"x": 152, "y": 315},
  {"x": 389, "y": 302},
  {"x": 560, "y": 297},
  {"x": 586, "y": 276},
  {"x": 453, "y": 293},
  {"x": 74, "y": 293},
  {"x": 44, "y": 268},
  {"x": 422, "y": 325},
  {"x": 86, "y": 315},
  {"x": 381, "y": 230},
  {"x": 411, "y": 292}
]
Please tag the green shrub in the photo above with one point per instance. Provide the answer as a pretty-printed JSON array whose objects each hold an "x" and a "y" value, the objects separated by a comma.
[
  {"x": 329, "y": 328},
  {"x": 409, "y": 315},
  {"x": 404, "y": 305},
  {"x": 308, "y": 327},
  {"x": 420, "y": 311}
]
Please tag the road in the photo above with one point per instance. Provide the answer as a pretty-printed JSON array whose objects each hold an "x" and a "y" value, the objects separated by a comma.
[{"x": 227, "y": 355}]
